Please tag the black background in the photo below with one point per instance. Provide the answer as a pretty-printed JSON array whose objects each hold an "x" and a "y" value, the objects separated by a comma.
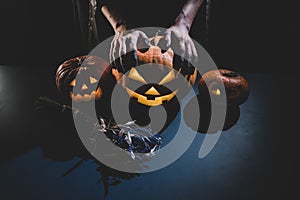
[
  {"x": 243, "y": 35},
  {"x": 246, "y": 36}
]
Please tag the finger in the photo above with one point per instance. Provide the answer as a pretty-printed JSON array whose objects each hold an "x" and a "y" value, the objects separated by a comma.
[
  {"x": 116, "y": 55},
  {"x": 122, "y": 52},
  {"x": 131, "y": 42},
  {"x": 122, "y": 47},
  {"x": 167, "y": 39},
  {"x": 186, "y": 69},
  {"x": 189, "y": 53},
  {"x": 164, "y": 43},
  {"x": 131, "y": 57},
  {"x": 119, "y": 65},
  {"x": 186, "y": 57},
  {"x": 187, "y": 64},
  {"x": 181, "y": 50},
  {"x": 110, "y": 55},
  {"x": 113, "y": 52},
  {"x": 142, "y": 40},
  {"x": 143, "y": 36},
  {"x": 177, "y": 62},
  {"x": 178, "y": 53},
  {"x": 129, "y": 60},
  {"x": 195, "y": 55},
  {"x": 178, "y": 44}
]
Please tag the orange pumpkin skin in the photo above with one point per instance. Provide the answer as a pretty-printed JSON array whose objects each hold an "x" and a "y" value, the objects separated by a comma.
[
  {"x": 236, "y": 86},
  {"x": 158, "y": 56},
  {"x": 210, "y": 84},
  {"x": 154, "y": 57},
  {"x": 155, "y": 54},
  {"x": 155, "y": 60},
  {"x": 83, "y": 73}
]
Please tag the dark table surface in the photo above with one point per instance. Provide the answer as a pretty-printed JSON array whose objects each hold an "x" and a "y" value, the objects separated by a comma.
[{"x": 252, "y": 160}]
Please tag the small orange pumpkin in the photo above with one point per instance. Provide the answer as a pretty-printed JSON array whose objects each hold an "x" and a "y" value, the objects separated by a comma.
[
  {"x": 78, "y": 78},
  {"x": 236, "y": 86}
]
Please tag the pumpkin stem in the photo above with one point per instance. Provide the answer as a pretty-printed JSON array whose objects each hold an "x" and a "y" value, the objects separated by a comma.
[{"x": 156, "y": 39}]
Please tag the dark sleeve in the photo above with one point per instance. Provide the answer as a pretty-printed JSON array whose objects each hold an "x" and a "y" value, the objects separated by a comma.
[{"x": 154, "y": 13}]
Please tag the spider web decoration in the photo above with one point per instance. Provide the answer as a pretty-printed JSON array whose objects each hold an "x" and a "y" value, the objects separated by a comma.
[{"x": 129, "y": 136}]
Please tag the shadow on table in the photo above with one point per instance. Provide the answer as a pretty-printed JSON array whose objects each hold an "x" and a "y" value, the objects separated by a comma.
[{"x": 25, "y": 124}]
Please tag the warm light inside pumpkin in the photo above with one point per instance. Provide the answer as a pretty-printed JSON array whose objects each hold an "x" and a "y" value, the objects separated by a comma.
[
  {"x": 216, "y": 92},
  {"x": 151, "y": 102},
  {"x": 87, "y": 97},
  {"x": 157, "y": 98},
  {"x": 73, "y": 83},
  {"x": 134, "y": 74},
  {"x": 152, "y": 91},
  {"x": 169, "y": 77},
  {"x": 84, "y": 87},
  {"x": 93, "y": 80}
]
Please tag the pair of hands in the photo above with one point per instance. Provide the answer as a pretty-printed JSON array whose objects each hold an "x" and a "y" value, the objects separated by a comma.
[{"x": 125, "y": 43}]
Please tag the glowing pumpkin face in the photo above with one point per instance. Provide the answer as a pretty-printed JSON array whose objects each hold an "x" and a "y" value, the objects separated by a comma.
[
  {"x": 85, "y": 93},
  {"x": 152, "y": 85},
  {"x": 155, "y": 82},
  {"x": 159, "y": 81},
  {"x": 78, "y": 78},
  {"x": 151, "y": 94}
]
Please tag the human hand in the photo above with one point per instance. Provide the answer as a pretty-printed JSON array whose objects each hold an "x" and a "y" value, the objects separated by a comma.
[
  {"x": 177, "y": 37},
  {"x": 124, "y": 46}
]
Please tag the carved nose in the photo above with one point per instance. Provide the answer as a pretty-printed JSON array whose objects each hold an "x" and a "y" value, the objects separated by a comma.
[
  {"x": 152, "y": 91},
  {"x": 84, "y": 87}
]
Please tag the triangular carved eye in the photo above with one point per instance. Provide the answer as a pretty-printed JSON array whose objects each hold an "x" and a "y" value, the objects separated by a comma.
[
  {"x": 134, "y": 74},
  {"x": 216, "y": 92},
  {"x": 169, "y": 77},
  {"x": 93, "y": 80},
  {"x": 73, "y": 83}
]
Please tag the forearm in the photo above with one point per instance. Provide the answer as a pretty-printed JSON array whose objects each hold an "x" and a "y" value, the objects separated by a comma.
[
  {"x": 116, "y": 21},
  {"x": 188, "y": 13}
]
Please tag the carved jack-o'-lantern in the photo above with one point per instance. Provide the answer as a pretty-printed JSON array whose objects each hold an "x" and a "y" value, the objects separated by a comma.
[
  {"x": 160, "y": 67},
  {"x": 151, "y": 94},
  {"x": 236, "y": 86},
  {"x": 155, "y": 86},
  {"x": 155, "y": 82},
  {"x": 78, "y": 78},
  {"x": 210, "y": 86}
]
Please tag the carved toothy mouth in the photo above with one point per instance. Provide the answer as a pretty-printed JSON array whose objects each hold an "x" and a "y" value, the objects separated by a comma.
[
  {"x": 86, "y": 97},
  {"x": 151, "y": 100}
]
